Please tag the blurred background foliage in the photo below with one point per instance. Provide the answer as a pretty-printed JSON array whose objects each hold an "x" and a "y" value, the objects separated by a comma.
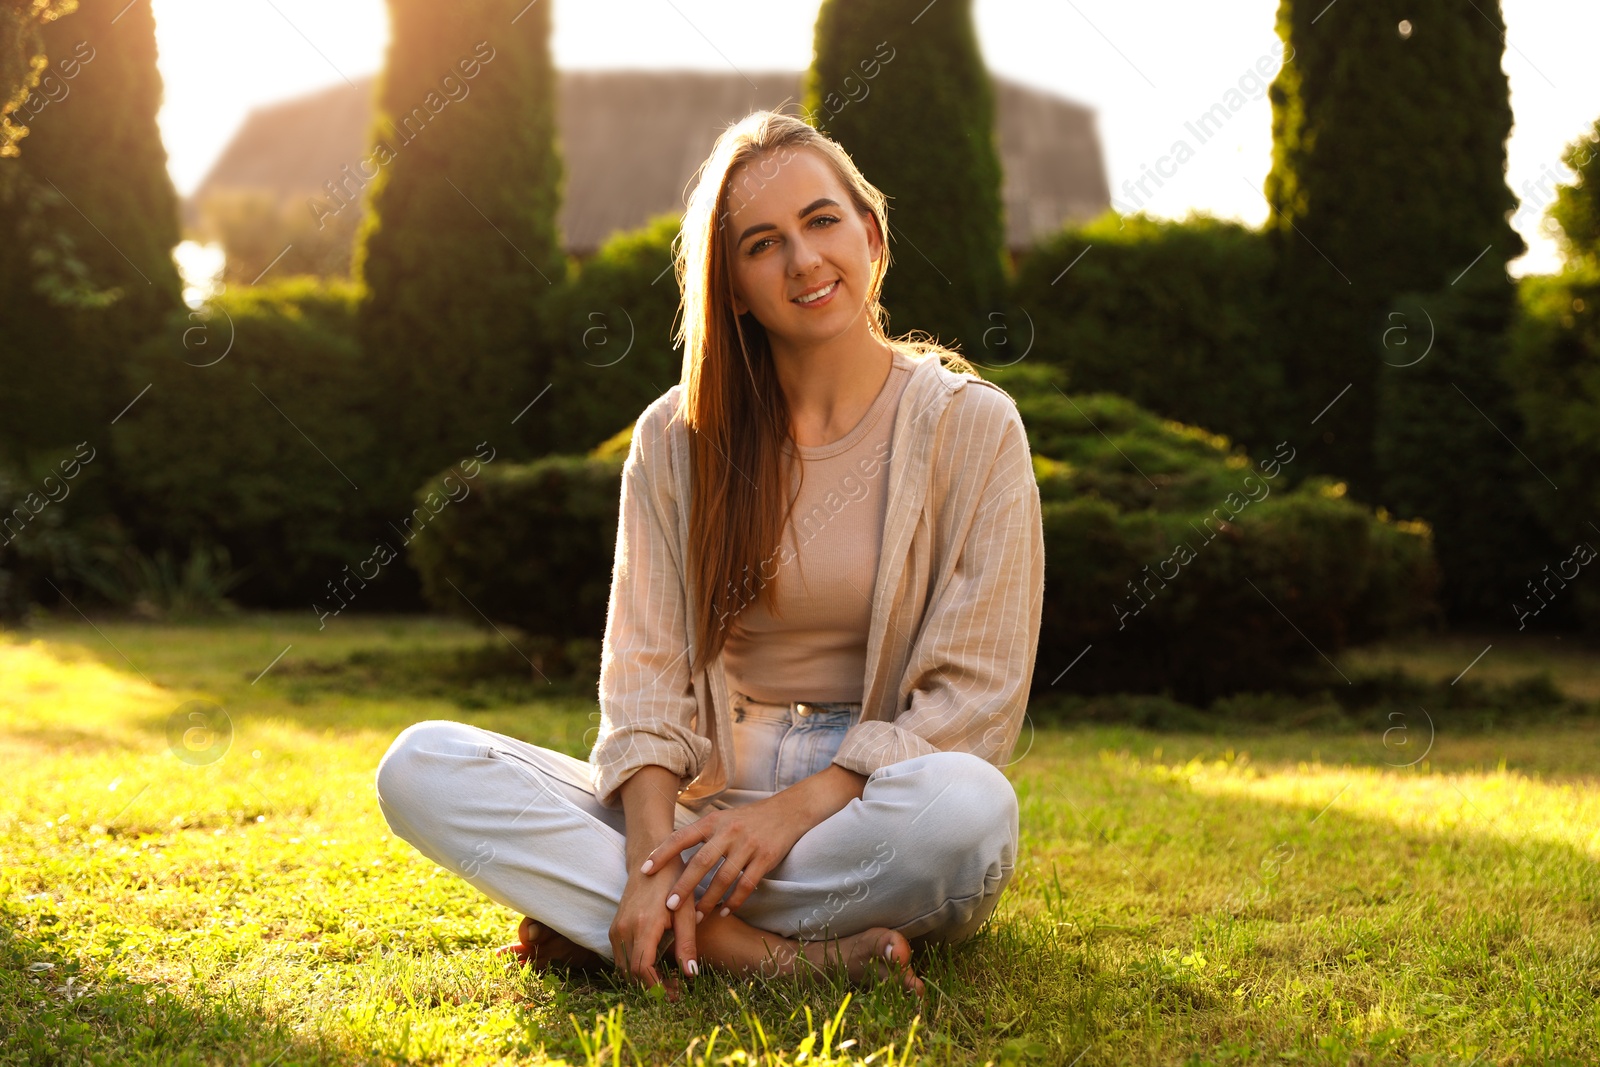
[{"x": 1182, "y": 357}]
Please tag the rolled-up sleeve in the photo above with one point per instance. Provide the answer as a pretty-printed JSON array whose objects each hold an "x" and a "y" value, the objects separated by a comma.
[
  {"x": 647, "y": 701},
  {"x": 973, "y": 660}
]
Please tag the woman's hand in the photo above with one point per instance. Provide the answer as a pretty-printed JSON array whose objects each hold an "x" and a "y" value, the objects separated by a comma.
[
  {"x": 750, "y": 839},
  {"x": 648, "y": 798},
  {"x": 642, "y": 920}
]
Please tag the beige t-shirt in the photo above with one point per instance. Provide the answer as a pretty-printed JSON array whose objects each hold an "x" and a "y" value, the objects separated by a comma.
[{"x": 816, "y": 647}]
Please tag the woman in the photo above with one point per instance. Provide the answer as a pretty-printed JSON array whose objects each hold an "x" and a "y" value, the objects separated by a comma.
[{"x": 820, "y": 638}]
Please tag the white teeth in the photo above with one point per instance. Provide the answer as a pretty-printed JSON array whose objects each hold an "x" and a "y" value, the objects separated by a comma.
[{"x": 818, "y": 295}]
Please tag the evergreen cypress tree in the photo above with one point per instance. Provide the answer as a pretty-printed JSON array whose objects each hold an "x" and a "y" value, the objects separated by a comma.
[
  {"x": 1389, "y": 125},
  {"x": 1576, "y": 211},
  {"x": 459, "y": 245},
  {"x": 902, "y": 86},
  {"x": 86, "y": 268},
  {"x": 1391, "y": 227},
  {"x": 1440, "y": 449}
]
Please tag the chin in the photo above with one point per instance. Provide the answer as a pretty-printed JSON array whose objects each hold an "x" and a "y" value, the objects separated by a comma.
[
  {"x": 822, "y": 330},
  {"x": 801, "y": 327}
]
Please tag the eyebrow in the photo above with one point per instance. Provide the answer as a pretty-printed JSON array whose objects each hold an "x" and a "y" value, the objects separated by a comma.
[{"x": 802, "y": 213}]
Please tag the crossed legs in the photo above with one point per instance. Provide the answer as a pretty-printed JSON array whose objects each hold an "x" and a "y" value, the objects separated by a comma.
[{"x": 925, "y": 852}]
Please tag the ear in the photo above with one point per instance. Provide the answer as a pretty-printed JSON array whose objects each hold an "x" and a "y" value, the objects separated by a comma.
[
  {"x": 739, "y": 306},
  {"x": 874, "y": 238}
]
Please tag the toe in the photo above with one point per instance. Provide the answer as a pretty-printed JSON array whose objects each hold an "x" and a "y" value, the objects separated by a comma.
[
  {"x": 532, "y": 932},
  {"x": 895, "y": 950}
]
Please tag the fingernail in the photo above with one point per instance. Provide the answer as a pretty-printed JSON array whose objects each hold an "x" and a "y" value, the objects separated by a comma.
[
  {"x": 888, "y": 952},
  {"x": 692, "y": 968},
  {"x": 672, "y": 902},
  {"x": 724, "y": 913},
  {"x": 699, "y": 915},
  {"x": 649, "y": 865}
]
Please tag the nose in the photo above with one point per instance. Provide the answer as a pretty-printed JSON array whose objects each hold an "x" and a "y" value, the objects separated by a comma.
[{"x": 803, "y": 258}]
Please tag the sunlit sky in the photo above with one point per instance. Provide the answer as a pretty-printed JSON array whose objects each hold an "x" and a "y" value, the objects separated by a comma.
[{"x": 1145, "y": 68}]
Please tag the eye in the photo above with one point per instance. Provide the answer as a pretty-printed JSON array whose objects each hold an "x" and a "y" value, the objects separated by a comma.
[{"x": 759, "y": 245}]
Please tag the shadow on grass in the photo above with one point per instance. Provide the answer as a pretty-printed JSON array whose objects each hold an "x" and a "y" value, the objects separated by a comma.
[
  {"x": 56, "y": 1010},
  {"x": 1358, "y": 700},
  {"x": 491, "y": 674},
  {"x": 491, "y": 684}
]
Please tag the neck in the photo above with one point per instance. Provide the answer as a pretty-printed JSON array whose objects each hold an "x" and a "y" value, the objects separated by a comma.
[{"x": 830, "y": 386}]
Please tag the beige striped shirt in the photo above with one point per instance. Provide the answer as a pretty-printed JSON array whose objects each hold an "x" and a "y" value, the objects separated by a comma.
[{"x": 956, "y": 605}]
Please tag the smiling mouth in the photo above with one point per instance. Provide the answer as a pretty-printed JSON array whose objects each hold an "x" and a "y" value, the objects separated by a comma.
[{"x": 819, "y": 294}]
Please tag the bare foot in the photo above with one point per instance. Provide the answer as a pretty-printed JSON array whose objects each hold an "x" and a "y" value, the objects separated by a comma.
[
  {"x": 880, "y": 952},
  {"x": 539, "y": 945}
]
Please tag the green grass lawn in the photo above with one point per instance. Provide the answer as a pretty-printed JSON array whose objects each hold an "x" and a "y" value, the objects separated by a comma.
[{"x": 1249, "y": 896}]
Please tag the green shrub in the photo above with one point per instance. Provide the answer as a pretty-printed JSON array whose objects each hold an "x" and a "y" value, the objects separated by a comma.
[
  {"x": 1168, "y": 602},
  {"x": 55, "y": 521},
  {"x": 1444, "y": 433},
  {"x": 1122, "y": 490},
  {"x": 534, "y": 544},
  {"x": 530, "y": 545},
  {"x": 1554, "y": 372},
  {"x": 1169, "y": 314},
  {"x": 609, "y": 338},
  {"x": 36, "y": 544},
  {"x": 255, "y": 435},
  {"x": 1576, "y": 211},
  {"x": 162, "y": 586}
]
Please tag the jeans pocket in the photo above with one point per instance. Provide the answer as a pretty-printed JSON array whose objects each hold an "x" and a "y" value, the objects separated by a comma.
[
  {"x": 757, "y": 740},
  {"x": 808, "y": 748}
]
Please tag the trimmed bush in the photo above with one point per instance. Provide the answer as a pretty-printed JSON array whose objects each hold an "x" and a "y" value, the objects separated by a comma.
[
  {"x": 37, "y": 544},
  {"x": 255, "y": 434},
  {"x": 1169, "y": 314},
  {"x": 1442, "y": 432},
  {"x": 1185, "y": 567},
  {"x": 610, "y": 340},
  {"x": 530, "y": 545},
  {"x": 534, "y": 544},
  {"x": 1554, "y": 371}
]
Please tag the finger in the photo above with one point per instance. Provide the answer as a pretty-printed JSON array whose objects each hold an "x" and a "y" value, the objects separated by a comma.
[
  {"x": 746, "y": 884},
  {"x": 693, "y": 871},
  {"x": 634, "y": 958},
  {"x": 675, "y": 844},
  {"x": 687, "y": 952},
  {"x": 641, "y": 965},
  {"x": 725, "y": 877}
]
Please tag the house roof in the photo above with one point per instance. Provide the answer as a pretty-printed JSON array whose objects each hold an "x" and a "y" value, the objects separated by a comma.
[{"x": 633, "y": 140}]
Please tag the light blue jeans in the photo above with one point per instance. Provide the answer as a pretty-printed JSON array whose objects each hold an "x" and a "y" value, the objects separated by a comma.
[{"x": 926, "y": 850}]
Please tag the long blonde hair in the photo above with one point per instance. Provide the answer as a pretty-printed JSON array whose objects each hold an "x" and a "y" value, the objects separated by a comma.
[{"x": 732, "y": 404}]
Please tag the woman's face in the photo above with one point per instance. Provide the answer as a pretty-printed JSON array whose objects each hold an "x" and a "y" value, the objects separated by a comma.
[{"x": 792, "y": 231}]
